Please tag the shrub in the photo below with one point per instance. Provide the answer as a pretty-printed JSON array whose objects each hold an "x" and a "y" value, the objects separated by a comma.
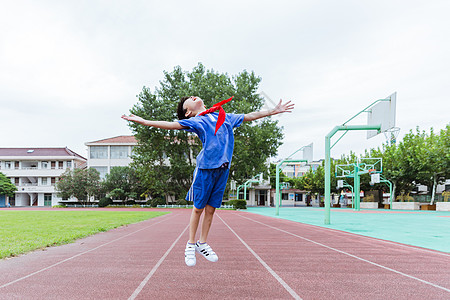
[
  {"x": 59, "y": 206},
  {"x": 238, "y": 204},
  {"x": 181, "y": 202},
  {"x": 130, "y": 202},
  {"x": 104, "y": 202},
  {"x": 156, "y": 201}
]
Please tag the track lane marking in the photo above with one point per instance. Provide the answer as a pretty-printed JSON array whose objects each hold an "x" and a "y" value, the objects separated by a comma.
[
  {"x": 79, "y": 254},
  {"x": 269, "y": 269},
  {"x": 153, "y": 270},
  {"x": 351, "y": 255}
]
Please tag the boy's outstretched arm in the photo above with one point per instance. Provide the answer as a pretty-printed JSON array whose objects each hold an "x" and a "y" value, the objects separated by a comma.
[
  {"x": 280, "y": 108},
  {"x": 157, "y": 124}
]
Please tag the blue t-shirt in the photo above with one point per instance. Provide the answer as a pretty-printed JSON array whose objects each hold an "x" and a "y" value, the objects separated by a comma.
[{"x": 217, "y": 149}]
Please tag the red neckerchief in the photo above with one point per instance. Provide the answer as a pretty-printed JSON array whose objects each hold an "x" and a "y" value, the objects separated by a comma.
[{"x": 217, "y": 106}]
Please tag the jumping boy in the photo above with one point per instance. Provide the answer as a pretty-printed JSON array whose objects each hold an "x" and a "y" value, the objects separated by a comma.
[{"x": 215, "y": 131}]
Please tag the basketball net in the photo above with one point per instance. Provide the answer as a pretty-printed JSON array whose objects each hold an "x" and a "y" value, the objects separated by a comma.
[{"x": 391, "y": 135}]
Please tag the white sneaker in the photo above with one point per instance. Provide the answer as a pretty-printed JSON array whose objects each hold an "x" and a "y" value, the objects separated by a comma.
[
  {"x": 205, "y": 250},
  {"x": 189, "y": 255}
]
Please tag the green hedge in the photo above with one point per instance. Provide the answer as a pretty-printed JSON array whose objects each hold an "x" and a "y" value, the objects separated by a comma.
[
  {"x": 238, "y": 204},
  {"x": 104, "y": 202},
  {"x": 181, "y": 202},
  {"x": 156, "y": 201}
]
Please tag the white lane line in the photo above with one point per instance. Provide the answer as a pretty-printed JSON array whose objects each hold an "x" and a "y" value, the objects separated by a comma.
[
  {"x": 147, "y": 278},
  {"x": 79, "y": 254},
  {"x": 272, "y": 272},
  {"x": 351, "y": 255}
]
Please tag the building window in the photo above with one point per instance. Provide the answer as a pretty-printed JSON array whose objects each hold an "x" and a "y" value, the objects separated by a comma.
[
  {"x": 47, "y": 199},
  {"x": 99, "y": 152},
  {"x": 118, "y": 152},
  {"x": 8, "y": 164},
  {"x": 44, "y": 165},
  {"x": 44, "y": 180},
  {"x": 69, "y": 165},
  {"x": 102, "y": 170}
]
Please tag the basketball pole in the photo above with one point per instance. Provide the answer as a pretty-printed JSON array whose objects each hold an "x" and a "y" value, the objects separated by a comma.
[
  {"x": 277, "y": 177},
  {"x": 370, "y": 126},
  {"x": 328, "y": 160}
]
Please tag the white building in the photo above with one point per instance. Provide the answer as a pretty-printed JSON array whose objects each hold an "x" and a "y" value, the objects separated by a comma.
[
  {"x": 35, "y": 171},
  {"x": 112, "y": 152}
]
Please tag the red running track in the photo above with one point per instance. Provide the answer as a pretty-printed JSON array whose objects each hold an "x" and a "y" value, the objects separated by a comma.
[{"x": 259, "y": 258}]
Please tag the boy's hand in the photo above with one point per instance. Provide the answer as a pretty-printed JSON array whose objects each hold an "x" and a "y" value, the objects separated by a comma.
[
  {"x": 132, "y": 117},
  {"x": 283, "y": 107}
]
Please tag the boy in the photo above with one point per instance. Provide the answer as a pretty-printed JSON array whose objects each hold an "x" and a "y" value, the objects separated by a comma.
[{"x": 215, "y": 131}]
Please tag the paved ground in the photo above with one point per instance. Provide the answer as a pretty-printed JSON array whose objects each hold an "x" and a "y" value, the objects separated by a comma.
[
  {"x": 428, "y": 229},
  {"x": 259, "y": 258}
]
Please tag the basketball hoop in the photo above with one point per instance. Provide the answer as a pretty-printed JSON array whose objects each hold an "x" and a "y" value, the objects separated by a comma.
[{"x": 391, "y": 135}]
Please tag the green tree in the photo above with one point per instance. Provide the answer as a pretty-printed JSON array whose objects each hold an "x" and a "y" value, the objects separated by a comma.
[
  {"x": 436, "y": 167},
  {"x": 6, "y": 186},
  {"x": 165, "y": 159},
  {"x": 420, "y": 158},
  {"x": 82, "y": 184},
  {"x": 122, "y": 183}
]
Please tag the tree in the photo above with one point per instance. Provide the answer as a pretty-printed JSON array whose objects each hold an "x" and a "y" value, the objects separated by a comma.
[
  {"x": 122, "y": 183},
  {"x": 165, "y": 159},
  {"x": 420, "y": 158},
  {"x": 437, "y": 159},
  {"x": 6, "y": 186},
  {"x": 82, "y": 184}
]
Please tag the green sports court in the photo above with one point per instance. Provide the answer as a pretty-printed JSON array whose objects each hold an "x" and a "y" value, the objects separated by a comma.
[{"x": 427, "y": 229}]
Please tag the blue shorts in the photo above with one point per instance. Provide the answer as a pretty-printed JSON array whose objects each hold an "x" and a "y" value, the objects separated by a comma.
[{"x": 208, "y": 187}]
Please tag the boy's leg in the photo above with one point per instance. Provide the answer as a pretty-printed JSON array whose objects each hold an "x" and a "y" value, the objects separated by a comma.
[
  {"x": 189, "y": 252},
  {"x": 201, "y": 246},
  {"x": 193, "y": 223},
  {"x": 206, "y": 224}
]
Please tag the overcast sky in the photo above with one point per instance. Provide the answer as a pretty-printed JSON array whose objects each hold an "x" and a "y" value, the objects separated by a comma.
[{"x": 70, "y": 69}]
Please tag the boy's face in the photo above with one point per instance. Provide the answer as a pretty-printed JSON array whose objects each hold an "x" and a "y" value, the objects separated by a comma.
[{"x": 193, "y": 106}]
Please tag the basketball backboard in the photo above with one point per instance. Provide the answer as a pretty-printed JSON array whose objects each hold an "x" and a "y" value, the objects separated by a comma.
[
  {"x": 375, "y": 178},
  {"x": 382, "y": 113},
  {"x": 268, "y": 103},
  {"x": 308, "y": 153}
]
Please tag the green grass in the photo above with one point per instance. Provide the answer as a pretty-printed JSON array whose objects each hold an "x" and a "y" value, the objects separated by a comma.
[{"x": 25, "y": 231}]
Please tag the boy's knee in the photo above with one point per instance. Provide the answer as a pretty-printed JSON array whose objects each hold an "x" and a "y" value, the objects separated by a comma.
[
  {"x": 209, "y": 209},
  {"x": 197, "y": 210}
]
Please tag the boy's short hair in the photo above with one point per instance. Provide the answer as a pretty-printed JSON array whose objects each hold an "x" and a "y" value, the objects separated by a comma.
[{"x": 181, "y": 112}]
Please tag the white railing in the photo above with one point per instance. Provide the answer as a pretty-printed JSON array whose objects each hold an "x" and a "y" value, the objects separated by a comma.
[{"x": 188, "y": 206}]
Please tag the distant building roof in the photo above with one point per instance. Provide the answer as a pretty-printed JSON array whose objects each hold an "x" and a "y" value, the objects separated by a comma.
[
  {"x": 122, "y": 139},
  {"x": 33, "y": 152}
]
